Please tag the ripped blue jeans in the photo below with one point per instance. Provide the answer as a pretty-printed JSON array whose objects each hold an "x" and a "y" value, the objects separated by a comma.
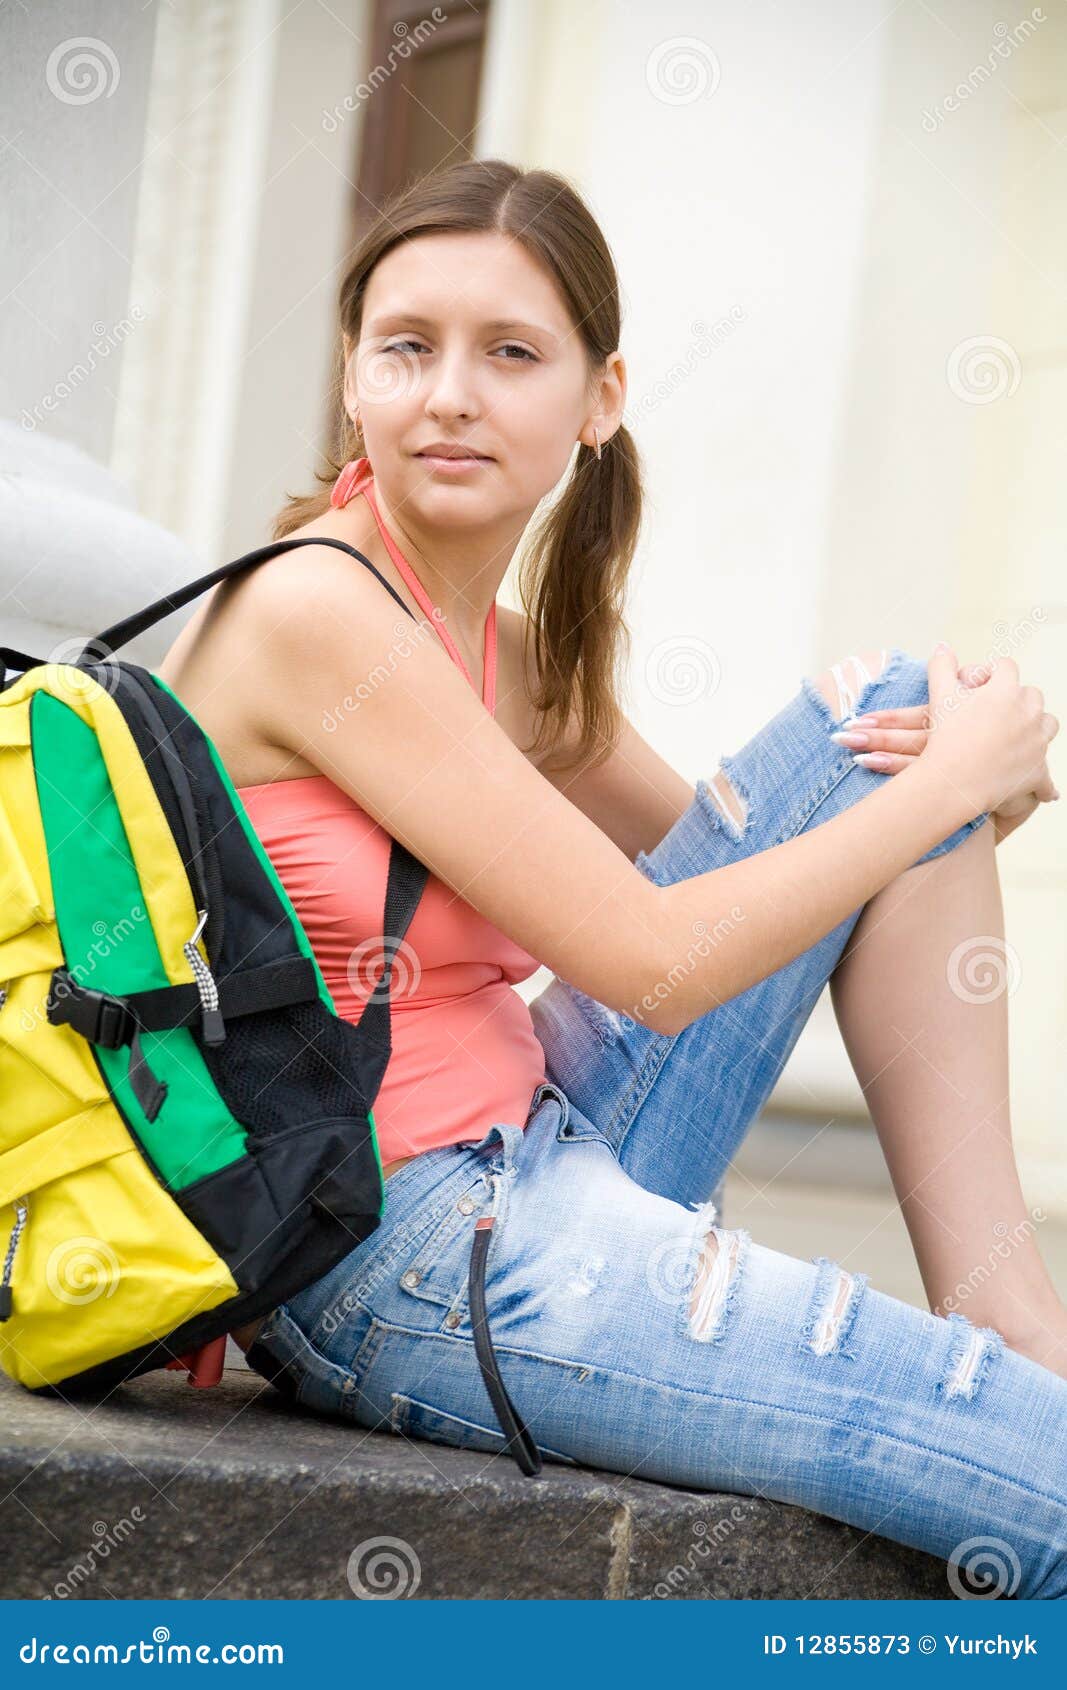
[{"x": 625, "y": 1347}]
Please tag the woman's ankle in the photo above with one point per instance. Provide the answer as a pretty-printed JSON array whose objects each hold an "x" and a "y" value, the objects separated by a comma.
[{"x": 244, "y": 1335}]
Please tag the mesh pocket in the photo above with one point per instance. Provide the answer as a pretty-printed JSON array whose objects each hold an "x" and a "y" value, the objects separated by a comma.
[{"x": 284, "y": 1066}]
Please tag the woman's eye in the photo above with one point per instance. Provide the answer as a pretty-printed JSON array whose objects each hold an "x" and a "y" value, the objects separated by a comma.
[{"x": 418, "y": 346}]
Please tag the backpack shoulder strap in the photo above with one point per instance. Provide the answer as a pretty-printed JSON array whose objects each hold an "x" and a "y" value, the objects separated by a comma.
[
  {"x": 404, "y": 887},
  {"x": 100, "y": 648},
  {"x": 128, "y": 629}
]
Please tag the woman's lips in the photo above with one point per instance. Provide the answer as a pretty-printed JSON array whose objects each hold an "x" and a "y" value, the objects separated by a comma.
[{"x": 452, "y": 466}]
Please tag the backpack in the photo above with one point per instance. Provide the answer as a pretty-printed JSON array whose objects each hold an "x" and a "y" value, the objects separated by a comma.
[{"x": 186, "y": 1126}]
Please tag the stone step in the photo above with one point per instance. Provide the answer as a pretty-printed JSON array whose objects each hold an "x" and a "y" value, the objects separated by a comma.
[{"x": 163, "y": 1490}]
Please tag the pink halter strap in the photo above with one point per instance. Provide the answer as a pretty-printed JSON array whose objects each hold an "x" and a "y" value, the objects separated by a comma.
[{"x": 358, "y": 477}]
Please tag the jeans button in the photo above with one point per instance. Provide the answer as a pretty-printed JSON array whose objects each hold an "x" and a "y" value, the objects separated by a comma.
[
  {"x": 411, "y": 1277},
  {"x": 465, "y": 1206},
  {"x": 453, "y": 1319}
]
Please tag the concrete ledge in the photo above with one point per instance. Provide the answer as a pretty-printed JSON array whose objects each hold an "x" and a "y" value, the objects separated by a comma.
[{"x": 167, "y": 1491}]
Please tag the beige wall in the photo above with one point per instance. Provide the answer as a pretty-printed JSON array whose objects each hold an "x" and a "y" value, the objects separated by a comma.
[
  {"x": 950, "y": 504},
  {"x": 829, "y": 477}
]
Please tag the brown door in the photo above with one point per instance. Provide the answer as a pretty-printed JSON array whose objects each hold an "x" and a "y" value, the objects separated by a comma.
[{"x": 420, "y": 87}]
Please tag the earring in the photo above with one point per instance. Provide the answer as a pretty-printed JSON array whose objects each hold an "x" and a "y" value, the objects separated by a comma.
[{"x": 596, "y": 436}]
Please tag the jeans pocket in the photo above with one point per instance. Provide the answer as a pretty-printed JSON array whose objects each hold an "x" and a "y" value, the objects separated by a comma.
[
  {"x": 416, "y": 1419},
  {"x": 437, "y": 1270}
]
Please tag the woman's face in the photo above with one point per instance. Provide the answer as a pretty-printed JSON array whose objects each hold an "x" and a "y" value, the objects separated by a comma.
[{"x": 465, "y": 341}]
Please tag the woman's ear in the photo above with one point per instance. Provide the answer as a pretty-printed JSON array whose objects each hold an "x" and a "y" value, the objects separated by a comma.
[
  {"x": 611, "y": 399},
  {"x": 613, "y": 391}
]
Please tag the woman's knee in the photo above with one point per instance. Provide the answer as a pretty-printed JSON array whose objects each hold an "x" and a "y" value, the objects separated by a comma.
[
  {"x": 843, "y": 682},
  {"x": 840, "y": 686}
]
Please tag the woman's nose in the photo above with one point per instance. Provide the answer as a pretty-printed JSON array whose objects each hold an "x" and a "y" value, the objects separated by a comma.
[{"x": 451, "y": 390}]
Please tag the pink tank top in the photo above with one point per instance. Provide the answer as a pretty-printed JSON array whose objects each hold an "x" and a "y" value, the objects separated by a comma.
[{"x": 464, "y": 1051}]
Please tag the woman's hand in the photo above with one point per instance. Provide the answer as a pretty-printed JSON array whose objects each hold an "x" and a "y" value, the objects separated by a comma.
[{"x": 890, "y": 741}]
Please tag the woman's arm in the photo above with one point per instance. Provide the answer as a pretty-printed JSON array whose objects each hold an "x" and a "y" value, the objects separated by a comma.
[{"x": 380, "y": 709}]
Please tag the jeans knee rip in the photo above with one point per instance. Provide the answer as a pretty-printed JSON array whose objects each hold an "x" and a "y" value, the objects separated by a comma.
[
  {"x": 834, "y": 1305},
  {"x": 811, "y": 690},
  {"x": 710, "y": 1284},
  {"x": 971, "y": 1351},
  {"x": 717, "y": 808}
]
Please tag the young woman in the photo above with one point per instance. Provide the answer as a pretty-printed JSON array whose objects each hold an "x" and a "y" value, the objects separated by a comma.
[{"x": 691, "y": 933}]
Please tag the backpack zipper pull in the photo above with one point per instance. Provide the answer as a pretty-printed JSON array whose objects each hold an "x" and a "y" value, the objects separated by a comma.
[
  {"x": 21, "y": 1212},
  {"x": 212, "y": 1025}
]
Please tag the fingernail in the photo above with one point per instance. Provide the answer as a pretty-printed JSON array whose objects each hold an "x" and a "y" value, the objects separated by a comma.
[
  {"x": 851, "y": 738},
  {"x": 871, "y": 759},
  {"x": 942, "y": 645}
]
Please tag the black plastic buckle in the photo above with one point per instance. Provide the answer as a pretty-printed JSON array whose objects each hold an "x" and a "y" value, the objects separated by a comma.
[{"x": 97, "y": 1016}]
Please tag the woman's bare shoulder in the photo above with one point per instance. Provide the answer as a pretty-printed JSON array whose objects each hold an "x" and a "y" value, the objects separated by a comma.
[{"x": 234, "y": 657}]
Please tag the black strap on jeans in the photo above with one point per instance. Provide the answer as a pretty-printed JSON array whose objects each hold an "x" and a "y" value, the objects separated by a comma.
[{"x": 519, "y": 1442}]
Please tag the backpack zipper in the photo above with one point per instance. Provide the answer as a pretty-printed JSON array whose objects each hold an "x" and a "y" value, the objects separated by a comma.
[
  {"x": 212, "y": 1024},
  {"x": 21, "y": 1212}
]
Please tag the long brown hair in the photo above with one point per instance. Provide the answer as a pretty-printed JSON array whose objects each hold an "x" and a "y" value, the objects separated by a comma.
[{"x": 576, "y": 561}]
